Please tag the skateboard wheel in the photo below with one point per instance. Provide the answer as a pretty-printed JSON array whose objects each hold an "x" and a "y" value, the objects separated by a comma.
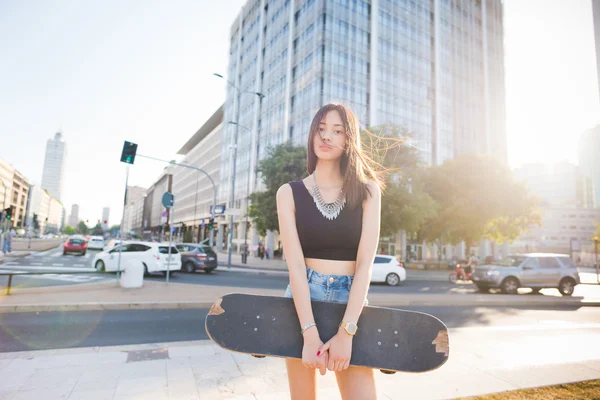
[
  {"x": 258, "y": 356},
  {"x": 387, "y": 372}
]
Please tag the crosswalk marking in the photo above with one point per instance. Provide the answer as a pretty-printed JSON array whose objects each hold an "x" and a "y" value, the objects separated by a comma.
[
  {"x": 57, "y": 269},
  {"x": 56, "y": 255},
  {"x": 62, "y": 277},
  {"x": 57, "y": 265}
]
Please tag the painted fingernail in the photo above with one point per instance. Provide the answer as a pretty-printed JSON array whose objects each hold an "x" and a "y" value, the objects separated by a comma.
[{"x": 319, "y": 352}]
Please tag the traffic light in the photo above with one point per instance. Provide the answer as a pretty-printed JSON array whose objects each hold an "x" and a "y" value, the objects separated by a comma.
[
  {"x": 128, "y": 154},
  {"x": 9, "y": 212},
  {"x": 211, "y": 224},
  {"x": 105, "y": 221}
]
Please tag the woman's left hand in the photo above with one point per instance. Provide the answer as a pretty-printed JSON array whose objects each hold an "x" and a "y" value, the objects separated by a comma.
[{"x": 340, "y": 350}]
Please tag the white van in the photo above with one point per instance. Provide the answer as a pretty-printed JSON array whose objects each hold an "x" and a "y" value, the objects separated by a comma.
[
  {"x": 154, "y": 256},
  {"x": 96, "y": 243}
]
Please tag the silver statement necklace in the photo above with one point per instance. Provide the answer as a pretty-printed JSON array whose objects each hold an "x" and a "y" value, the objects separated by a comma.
[{"x": 328, "y": 210}]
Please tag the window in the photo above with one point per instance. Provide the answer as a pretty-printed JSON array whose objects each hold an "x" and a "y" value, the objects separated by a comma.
[
  {"x": 531, "y": 263},
  {"x": 566, "y": 261},
  {"x": 165, "y": 250},
  {"x": 138, "y": 248},
  {"x": 122, "y": 249},
  {"x": 381, "y": 260},
  {"x": 549, "y": 263}
]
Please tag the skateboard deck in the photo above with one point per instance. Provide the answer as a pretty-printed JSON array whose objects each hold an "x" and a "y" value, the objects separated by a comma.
[{"x": 387, "y": 339}]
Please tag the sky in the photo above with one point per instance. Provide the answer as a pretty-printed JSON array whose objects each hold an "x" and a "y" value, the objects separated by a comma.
[{"x": 141, "y": 70}]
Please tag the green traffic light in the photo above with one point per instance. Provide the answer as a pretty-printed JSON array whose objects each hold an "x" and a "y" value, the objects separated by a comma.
[{"x": 8, "y": 217}]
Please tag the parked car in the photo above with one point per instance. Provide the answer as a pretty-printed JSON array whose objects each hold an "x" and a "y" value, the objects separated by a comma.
[
  {"x": 154, "y": 256},
  {"x": 75, "y": 244},
  {"x": 388, "y": 269},
  {"x": 536, "y": 271},
  {"x": 96, "y": 243},
  {"x": 197, "y": 257}
]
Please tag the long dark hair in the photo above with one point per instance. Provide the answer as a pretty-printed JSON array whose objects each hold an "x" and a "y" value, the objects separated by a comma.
[{"x": 357, "y": 166}]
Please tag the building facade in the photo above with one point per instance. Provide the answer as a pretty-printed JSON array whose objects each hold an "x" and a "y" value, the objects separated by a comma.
[
  {"x": 435, "y": 68},
  {"x": 44, "y": 212},
  {"x": 105, "y": 217},
  {"x": 194, "y": 193},
  {"x": 132, "y": 219},
  {"x": 14, "y": 191},
  {"x": 74, "y": 216},
  {"x": 557, "y": 185},
  {"x": 563, "y": 230},
  {"x": 154, "y": 214},
  {"x": 53, "y": 175},
  {"x": 589, "y": 161}
]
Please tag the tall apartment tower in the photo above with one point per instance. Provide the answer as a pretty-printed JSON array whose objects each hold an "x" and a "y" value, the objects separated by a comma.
[
  {"x": 105, "y": 215},
  {"x": 435, "y": 67},
  {"x": 53, "y": 177},
  {"x": 74, "y": 216},
  {"x": 596, "y": 16},
  {"x": 589, "y": 162}
]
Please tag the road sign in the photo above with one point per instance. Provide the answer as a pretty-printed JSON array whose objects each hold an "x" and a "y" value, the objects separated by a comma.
[
  {"x": 220, "y": 209},
  {"x": 168, "y": 199}
]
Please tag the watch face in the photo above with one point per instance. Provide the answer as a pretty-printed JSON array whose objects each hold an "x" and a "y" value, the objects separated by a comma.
[{"x": 351, "y": 328}]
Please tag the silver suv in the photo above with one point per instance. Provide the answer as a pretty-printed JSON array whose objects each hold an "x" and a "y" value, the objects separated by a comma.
[{"x": 536, "y": 271}]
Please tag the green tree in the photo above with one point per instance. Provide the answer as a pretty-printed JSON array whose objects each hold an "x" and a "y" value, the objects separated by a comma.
[
  {"x": 477, "y": 197},
  {"x": 82, "y": 227},
  {"x": 97, "y": 230},
  {"x": 404, "y": 204},
  {"x": 283, "y": 164},
  {"x": 69, "y": 230}
]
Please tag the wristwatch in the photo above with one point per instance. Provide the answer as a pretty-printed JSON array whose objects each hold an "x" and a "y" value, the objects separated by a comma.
[{"x": 350, "y": 327}]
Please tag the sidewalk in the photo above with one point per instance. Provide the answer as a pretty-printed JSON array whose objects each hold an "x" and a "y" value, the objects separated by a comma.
[
  {"x": 201, "y": 370},
  {"x": 108, "y": 295}
]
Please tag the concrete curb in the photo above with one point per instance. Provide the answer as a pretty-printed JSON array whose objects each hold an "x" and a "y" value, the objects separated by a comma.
[{"x": 165, "y": 305}]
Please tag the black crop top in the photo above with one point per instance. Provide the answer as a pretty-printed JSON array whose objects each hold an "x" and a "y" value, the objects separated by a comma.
[{"x": 325, "y": 239}]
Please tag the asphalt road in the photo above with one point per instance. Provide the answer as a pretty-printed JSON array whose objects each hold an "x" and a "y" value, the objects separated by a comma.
[
  {"x": 417, "y": 282},
  {"x": 51, "y": 260},
  {"x": 54, "y": 330}
]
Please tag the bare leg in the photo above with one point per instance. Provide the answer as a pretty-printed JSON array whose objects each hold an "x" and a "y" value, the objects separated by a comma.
[
  {"x": 302, "y": 380},
  {"x": 357, "y": 383}
]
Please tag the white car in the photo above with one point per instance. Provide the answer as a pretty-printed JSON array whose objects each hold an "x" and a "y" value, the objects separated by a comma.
[
  {"x": 112, "y": 244},
  {"x": 154, "y": 256},
  {"x": 388, "y": 269},
  {"x": 96, "y": 243}
]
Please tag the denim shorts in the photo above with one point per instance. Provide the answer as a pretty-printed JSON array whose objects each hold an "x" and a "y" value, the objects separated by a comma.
[{"x": 331, "y": 288}]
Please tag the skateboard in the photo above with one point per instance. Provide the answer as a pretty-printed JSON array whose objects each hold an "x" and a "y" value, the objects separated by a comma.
[{"x": 387, "y": 339}]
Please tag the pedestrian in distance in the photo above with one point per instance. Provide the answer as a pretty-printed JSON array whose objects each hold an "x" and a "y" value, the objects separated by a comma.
[
  {"x": 329, "y": 225},
  {"x": 261, "y": 251},
  {"x": 8, "y": 238},
  {"x": 267, "y": 253}
]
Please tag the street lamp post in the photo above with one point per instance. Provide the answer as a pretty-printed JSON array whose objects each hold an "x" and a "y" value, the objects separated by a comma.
[
  {"x": 596, "y": 255},
  {"x": 234, "y": 161},
  {"x": 247, "y": 189}
]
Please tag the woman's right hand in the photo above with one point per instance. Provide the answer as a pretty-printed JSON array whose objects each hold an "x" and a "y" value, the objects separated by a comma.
[{"x": 310, "y": 359}]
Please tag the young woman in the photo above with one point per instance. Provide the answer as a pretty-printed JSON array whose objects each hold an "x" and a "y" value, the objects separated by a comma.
[{"x": 329, "y": 225}]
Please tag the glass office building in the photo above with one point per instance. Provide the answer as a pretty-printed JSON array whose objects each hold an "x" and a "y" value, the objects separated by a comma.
[{"x": 435, "y": 67}]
